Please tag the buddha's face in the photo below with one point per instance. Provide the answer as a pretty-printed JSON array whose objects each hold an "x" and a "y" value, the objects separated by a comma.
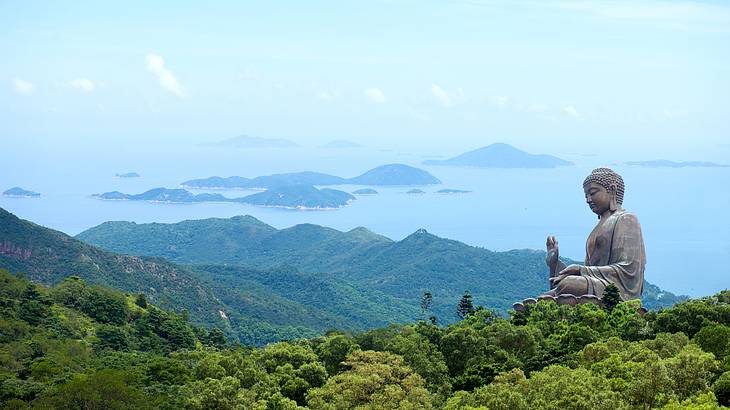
[{"x": 597, "y": 198}]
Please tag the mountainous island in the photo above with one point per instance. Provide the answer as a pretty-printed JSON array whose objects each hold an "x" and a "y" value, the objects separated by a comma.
[
  {"x": 245, "y": 141},
  {"x": 300, "y": 197},
  {"x": 18, "y": 192},
  {"x": 290, "y": 196},
  {"x": 391, "y": 174},
  {"x": 128, "y": 175},
  {"x": 416, "y": 191},
  {"x": 500, "y": 155},
  {"x": 452, "y": 191},
  {"x": 663, "y": 163},
  {"x": 365, "y": 191},
  {"x": 341, "y": 144}
]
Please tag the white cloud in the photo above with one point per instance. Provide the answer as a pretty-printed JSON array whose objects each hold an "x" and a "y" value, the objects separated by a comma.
[
  {"x": 539, "y": 108},
  {"x": 441, "y": 95},
  {"x": 500, "y": 100},
  {"x": 156, "y": 65},
  {"x": 83, "y": 84},
  {"x": 326, "y": 96},
  {"x": 23, "y": 87},
  {"x": 376, "y": 95},
  {"x": 570, "y": 110}
]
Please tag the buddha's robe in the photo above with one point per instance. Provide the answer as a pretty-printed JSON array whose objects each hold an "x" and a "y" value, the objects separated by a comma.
[{"x": 615, "y": 254}]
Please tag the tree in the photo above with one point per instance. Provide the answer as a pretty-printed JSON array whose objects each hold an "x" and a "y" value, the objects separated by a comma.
[
  {"x": 216, "y": 338},
  {"x": 426, "y": 301},
  {"x": 105, "y": 389},
  {"x": 141, "y": 300},
  {"x": 611, "y": 297},
  {"x": 466, "y": 307},
  {"x": 106, "y": 306},
  {"x": 35, "y": 306},
  {"x": 376, "y": 380},
  {"x": 721, "y": 388}
]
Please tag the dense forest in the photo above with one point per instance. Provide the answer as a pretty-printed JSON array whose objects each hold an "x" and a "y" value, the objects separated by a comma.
[{"x": 82, "y": 346}]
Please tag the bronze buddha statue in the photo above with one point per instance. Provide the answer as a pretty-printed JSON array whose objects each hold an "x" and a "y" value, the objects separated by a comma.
[{"x": 614, "y": 249}]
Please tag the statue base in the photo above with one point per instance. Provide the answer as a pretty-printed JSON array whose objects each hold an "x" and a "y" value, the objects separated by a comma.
[{"x": 565, "y": 299}]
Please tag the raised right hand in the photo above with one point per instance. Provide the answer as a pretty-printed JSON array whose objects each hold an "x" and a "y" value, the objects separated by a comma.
[{"x": 553, "y": 253}]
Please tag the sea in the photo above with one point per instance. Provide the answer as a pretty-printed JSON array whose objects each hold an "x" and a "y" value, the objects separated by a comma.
[{"x": 683, "y": 211}]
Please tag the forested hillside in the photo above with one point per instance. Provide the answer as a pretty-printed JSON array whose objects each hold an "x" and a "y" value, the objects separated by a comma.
[
  {"x": 250, "y": 305},
  {"x": 405, "y": 269},
  {"x": 77, "y": 345}
]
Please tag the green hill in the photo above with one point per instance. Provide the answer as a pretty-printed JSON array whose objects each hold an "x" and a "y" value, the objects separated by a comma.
[
  {"x": 404, "y": 269},
  {"x": 48, "y": 256},
  {"x": 252, "y": 305}
]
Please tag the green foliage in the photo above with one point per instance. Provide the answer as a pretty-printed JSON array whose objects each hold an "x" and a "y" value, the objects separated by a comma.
[
  {"x": 466, "y": 306},
  {"x": 721, "y": 388},
  {"x": 611, "y": 297},
  {"x": 376, "y": 380},
  {"x": 551, "y": 356},
  {"x": 104, "y": 389}
]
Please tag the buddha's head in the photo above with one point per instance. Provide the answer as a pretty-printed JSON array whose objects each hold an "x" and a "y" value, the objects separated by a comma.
[{"x": 604, "y": 190}]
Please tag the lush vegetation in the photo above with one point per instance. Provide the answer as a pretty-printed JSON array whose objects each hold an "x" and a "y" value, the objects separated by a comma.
[
  {"x": 77, "y": 345},
  {"x": 404, "y": 270},
  {"x": 252, "y": 306}
]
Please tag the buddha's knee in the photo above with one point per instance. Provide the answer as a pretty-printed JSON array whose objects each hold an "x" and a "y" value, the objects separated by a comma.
[{"x": 574, "y": 285}]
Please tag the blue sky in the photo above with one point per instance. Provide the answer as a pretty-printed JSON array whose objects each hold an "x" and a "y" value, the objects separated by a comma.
[{"x": 547, "y": 76}]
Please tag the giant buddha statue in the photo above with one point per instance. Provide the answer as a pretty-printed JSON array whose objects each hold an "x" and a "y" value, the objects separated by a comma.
[{"x": 614, "y": 249}]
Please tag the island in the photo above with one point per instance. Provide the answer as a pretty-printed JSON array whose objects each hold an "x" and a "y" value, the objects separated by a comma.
[
  {"x": 500, "y": 155},
  {"x": 341, "y": 144},
  {"x": 415, "y": 192},
  {"x": 365, "y": 191},
  {"x": 292, "y": 196},
  {"x": 301, "y": 197},
  {"x": 245, "y": 141},
  {"x": 452, "y": 191},
  {"x": 390, "y": 174},
  {"x": 127, "y": 175},
  {"x": 180, "y": 196},
  {"x": 663, "y": 163},
  {"x": 18, "y": 192}
]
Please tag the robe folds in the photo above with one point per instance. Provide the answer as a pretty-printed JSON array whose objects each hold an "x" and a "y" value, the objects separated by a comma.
[{"x": 615, "y": 254}]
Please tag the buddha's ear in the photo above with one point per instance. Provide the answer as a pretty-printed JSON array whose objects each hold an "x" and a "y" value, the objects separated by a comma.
[{"x": 613, "y": 206}]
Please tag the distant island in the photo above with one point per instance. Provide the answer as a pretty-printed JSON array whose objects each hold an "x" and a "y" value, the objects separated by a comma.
[
  {"x": 391, "y": 174},
  {"x": 300, "y": 197},
  {"x": 18, "y": 192},
  {"x": 292, "y": 197},
  {"x": 672, "y": 164},
  {"x": 245, "y": 141},
  {"x": 128, "y": 175},
  {"x": 452, "y": 191},
  {"x": 341, "y": 144},
  {"x": 500, "y": 155},
  {"x": 365, "y": 191},
  {"x": 415, "y": 192}
]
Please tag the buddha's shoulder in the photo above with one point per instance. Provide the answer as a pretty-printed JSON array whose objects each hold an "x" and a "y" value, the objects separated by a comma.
[{"x": 626, "y": 216}]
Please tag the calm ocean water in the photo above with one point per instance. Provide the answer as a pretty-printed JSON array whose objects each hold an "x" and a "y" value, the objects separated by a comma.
[{"x": 683, "y": 212}]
